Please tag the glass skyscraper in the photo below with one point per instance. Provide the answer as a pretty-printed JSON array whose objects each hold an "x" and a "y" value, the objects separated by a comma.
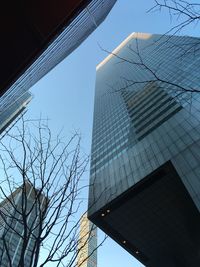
[
  {"x": 87, "y": 245},
  {"x": 145, "y": 164}
]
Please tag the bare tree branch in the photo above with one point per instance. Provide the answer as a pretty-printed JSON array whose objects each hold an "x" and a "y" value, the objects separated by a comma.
[{"x": 40, "y": 196}]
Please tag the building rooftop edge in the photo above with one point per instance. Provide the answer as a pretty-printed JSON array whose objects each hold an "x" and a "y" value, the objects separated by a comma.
[{"x": 116, "y": 50}]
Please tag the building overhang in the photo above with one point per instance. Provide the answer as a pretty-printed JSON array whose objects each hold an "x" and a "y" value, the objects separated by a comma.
[{"x": 156, "y": 221}]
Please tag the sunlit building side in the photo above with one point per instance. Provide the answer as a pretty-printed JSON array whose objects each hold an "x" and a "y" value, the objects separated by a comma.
[{"x": 87, "y": 246}]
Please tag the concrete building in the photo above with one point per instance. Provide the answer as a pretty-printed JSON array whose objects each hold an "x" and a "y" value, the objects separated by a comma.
[
  {"x": 87, "y": 246},
  {"x": 13, "y": 226},
  {"x": 145, "y": 165}
]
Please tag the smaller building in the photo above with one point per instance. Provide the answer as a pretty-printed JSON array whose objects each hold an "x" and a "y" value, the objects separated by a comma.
[
  {"x": 20, "y": 219},
  {"x": 87, "y": 247},
  {"x": 15, "y": 108}
]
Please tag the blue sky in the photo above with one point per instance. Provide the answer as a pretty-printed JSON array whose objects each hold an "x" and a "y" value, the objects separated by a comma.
[{"x": 65, "y": 95}]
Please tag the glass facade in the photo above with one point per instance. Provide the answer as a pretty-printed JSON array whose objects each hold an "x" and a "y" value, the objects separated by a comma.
[
  {"x": 141, "y": 123},
  {"x": 138, "y": 125}
]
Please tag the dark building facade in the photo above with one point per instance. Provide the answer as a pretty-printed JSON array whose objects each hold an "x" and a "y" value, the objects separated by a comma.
[
  {"x": 145, "y": 164},
  {"x": 38, "y": 35}
]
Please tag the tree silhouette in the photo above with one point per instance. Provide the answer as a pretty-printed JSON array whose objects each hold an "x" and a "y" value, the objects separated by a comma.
[{"x": 41, "y": 195}]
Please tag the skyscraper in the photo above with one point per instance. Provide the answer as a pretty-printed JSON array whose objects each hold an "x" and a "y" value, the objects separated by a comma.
[
  {"x": 145, "y": 165},
  {"x": 87, "y": 246},
  {"x": 14, "y": 228}
]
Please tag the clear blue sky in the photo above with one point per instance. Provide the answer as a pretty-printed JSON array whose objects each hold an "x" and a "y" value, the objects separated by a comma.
[{"x": 66, "y": 94}]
